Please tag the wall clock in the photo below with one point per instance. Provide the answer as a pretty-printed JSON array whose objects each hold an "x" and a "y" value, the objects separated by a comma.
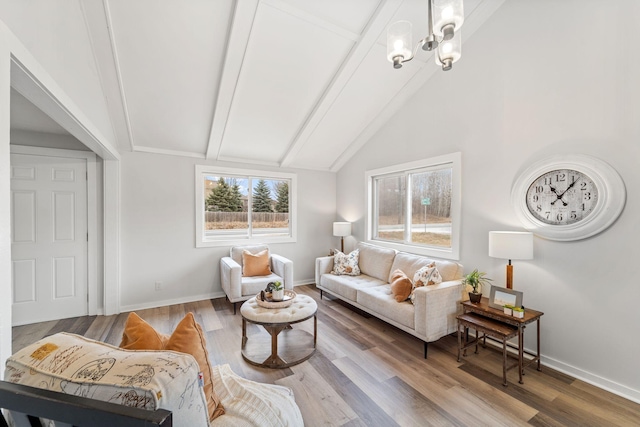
[{"x": 568, "y": 197}]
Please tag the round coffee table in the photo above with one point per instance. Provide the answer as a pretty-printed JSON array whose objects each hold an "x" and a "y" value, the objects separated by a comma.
[{"x": 288, "y": 346}]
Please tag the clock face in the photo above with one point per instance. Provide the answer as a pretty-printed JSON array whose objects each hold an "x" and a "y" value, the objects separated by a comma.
[{"x": 562, "y": 197}]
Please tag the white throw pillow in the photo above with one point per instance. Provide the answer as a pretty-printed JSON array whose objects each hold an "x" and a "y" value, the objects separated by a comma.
[
  {"x": 425, "y": 276},
  {"x": 346, "y": 264}
]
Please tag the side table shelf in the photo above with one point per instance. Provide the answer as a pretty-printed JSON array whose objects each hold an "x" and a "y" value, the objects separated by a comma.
[{"x": 494, "y": 323}]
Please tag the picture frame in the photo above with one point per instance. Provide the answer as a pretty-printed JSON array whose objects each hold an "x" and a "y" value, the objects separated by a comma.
[{"x": 499, "y": 297}]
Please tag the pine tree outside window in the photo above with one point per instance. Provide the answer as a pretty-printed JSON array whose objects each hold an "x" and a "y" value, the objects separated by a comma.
[{"x": 237, "y": 206}]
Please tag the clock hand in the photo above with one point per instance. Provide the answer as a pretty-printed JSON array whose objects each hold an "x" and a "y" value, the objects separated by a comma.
[
  {"x": 569, "y": 187},
  {"x": 558, "y": 196}
]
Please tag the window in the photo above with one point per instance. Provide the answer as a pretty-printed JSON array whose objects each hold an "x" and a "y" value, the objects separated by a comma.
[
  {"x": 235, "y": 206},
  {"x": 415, "y": 206}
]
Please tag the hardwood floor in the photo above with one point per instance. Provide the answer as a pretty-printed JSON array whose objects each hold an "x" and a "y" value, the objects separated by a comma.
[{"x": 367, "y": 373}]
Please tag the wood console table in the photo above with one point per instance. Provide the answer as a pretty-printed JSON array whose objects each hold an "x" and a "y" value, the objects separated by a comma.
[{"x": 493, "y": 322}]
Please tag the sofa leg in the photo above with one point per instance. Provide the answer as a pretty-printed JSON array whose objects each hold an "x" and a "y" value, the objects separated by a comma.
[
  {"x": 425, "y": 349},
  {"x": 234, "y": 313},
  {"x": 320, "y": 293}
]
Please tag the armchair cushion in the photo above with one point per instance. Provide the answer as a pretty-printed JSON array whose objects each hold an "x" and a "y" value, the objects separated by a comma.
[{"x": 255, "y": 264}]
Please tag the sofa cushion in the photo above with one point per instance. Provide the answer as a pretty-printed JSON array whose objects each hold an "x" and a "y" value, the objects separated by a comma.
[
  {"x": 376, "y": 261},
  {"x": 380, "y": 300},
  {"x": 75, "y": 365},
  {"x": 347, "y": 286},
  {"x": 253, "y": 285},
  {"x": 410, "y": 263},
  {"x": 255, "y": 264},
  {"x": 401, "y": 285},
  {"x": 346, "y": 264}
]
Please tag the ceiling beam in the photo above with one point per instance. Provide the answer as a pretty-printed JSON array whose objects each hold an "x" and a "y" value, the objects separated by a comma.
[
  {"x": 376, "y": 25},
  {"x": 239, "y": 34},
  {"x": 97, "y": 19}
]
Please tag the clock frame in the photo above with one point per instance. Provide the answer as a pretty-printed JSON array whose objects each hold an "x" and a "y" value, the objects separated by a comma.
[{"x": 568, "y": 197}]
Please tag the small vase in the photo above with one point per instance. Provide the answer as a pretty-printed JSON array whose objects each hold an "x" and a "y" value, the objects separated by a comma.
[
  {"x": 475, "y": 298},
  {"x": 277, "y": 295}
]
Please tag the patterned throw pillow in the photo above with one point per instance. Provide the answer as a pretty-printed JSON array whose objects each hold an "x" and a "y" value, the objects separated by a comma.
[
  {"x": 425, "y": 276},
  {"x": 346, "y": 264}
]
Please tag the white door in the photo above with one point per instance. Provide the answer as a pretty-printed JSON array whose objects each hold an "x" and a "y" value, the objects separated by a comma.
[{"x": 49, "y": 238}]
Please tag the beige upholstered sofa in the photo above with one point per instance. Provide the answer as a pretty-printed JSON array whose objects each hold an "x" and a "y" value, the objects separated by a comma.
[
  {"x": 77, "y": 366},
  {"x": 430, "y": 317}
]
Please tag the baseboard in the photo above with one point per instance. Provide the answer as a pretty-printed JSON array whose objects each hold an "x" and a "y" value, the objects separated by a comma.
[
  {"x": 304, "y": 282},
  {"x": 154, "y": 304},
  {"x": 595, "y": 380}
]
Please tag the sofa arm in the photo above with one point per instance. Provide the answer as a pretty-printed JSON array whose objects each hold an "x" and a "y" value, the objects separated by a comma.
[
  {"x": 283, "y": 267},
  {"x": 324, "y": 265},
  {"x": 436, "y": 308},
  {"x": 231, "y": 278}
]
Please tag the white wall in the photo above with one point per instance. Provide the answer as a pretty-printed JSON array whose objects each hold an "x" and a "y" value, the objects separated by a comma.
[
  {"x": 158, "y": 230},
  {"x": 55, "y": 33},
  {"x": 540, "y": 78}
]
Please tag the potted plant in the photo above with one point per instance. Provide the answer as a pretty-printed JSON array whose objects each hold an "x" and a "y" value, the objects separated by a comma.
[
  {"x": 278, "y": 291},
  {"x": 475, "y": 279},
  {"x": 518, "y": 312}
]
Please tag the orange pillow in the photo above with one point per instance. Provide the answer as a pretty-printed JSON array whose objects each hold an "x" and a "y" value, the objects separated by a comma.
[
  {"x": 139, "y": 335},
  {"x": 401, "y": 286},
  {"x": 188, "y": 337},
  {"x": 255, "y": 264}
]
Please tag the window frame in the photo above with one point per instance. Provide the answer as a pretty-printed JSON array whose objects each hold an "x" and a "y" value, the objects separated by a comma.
[
  {"x": 202, "y": 170},
  {"x": 453, "y": 159}
]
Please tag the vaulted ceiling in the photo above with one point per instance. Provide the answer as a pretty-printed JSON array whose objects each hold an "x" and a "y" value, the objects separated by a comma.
[{"x": 290, "y": 83}]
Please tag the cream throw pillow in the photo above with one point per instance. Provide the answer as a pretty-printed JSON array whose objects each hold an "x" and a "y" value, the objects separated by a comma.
[
  {"x": 255, "y": 264},
  {"x": 425, "y": 276}
]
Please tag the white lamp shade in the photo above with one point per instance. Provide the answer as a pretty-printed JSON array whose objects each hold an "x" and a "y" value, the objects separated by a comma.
[
  {"x": 399, "y": 42},
  {"x": 341, "y": 229},
  {"x": 447, "y": 13},
  {"x": 511, "y": 244},
  {"x": 449, "y": 51}
]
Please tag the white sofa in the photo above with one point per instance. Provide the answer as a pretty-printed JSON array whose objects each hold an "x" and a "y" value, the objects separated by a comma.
[{"x": 433, "y": 314}]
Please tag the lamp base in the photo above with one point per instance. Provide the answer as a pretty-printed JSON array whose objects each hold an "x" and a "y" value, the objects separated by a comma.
[{"x": 509, "y": 276}]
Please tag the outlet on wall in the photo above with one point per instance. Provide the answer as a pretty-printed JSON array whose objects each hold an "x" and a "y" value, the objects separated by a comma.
[{"x": 158, "y": 286}]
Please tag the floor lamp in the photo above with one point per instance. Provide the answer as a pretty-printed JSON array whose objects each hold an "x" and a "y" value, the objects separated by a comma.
[
  {"x": 510, "y": 245},
  {"x": 341, "y": 229}
]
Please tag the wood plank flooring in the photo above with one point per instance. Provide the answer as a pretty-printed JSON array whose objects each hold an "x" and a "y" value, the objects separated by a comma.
[{"x": 367, "y": 373}]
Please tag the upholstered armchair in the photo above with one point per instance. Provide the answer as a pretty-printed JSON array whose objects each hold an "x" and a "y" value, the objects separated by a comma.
[{"x": 245, "y": 274}]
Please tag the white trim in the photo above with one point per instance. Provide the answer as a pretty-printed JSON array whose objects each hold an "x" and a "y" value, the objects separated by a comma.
[
  {"x": 593, "y": 379},
  {"x": 168, "y": 152},
  {"x": 200, "y": 170},
  {"x": 455, "y": 159},
  {"x": 164, "y": 303},
  {"x": 92, "y": 212},
  {"x": 111, "y": 223}
]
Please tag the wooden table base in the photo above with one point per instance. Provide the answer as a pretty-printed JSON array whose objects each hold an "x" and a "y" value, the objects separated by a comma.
[{"x": 281, "y": 348}]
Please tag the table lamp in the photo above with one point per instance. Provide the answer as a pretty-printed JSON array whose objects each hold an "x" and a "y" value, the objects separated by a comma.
[
  {"x": 341, "y": 229},
  {"x": 510, "y": 245}
]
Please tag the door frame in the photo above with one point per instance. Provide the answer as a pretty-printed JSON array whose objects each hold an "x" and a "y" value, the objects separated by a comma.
[{"x": 92, "y": 212}]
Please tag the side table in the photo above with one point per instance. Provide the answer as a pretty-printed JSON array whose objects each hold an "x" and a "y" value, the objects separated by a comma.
[
  {"x": 491, "y": 319},
  {"x": 293, "y": 347}
]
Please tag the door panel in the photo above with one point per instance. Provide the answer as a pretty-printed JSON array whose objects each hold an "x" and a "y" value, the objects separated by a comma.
[{"x": 49, "y": 246}]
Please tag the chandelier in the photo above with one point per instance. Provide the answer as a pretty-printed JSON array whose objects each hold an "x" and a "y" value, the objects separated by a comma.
[{"x": 444, "y": 17}]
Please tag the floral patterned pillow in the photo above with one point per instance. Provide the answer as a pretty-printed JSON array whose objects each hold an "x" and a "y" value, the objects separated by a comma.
[
  {"x": 425, "y": 276},
  {"x": 346, "y": 264}
]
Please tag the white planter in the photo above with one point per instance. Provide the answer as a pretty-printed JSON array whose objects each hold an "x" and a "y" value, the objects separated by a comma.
[
  {"x": 518, "y": 314},
  {"x": 507, "y": 311},
  {"x": 277, "y": 295}
]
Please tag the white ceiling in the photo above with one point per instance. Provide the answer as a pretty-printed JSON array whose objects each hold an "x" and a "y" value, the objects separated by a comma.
[{"x": 290, "y": 83}]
